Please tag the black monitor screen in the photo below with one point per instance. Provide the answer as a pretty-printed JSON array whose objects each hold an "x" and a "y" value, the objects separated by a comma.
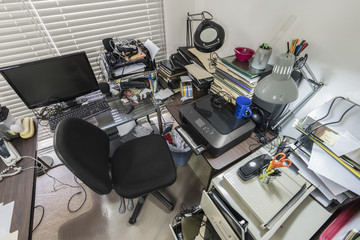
[{"x": 51, "y": 80}]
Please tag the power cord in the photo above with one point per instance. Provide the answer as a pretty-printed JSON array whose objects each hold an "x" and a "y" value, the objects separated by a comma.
[
  {"x": 342, "y": 116},
  {"x": 18, "y": 170},
  {"x": 42, "y": 216},
  {"x": 75, "y": 194},
  {"x": 307, "y": 129},
  {"x": 190, "y": 215}
]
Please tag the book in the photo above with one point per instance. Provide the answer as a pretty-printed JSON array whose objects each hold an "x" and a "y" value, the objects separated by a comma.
[
  {"x": 170, "y": 68},
  {"x": 188, "y": 56},
  {"x": 217, "y": 87},
  {"x": 231, "y": 87},
  {"x": 233, "y": 80},
  {"x": 232, "y": 73},
  {"x": 176, "y": 75},
  {"x": 244, "y": 67},
  {"x": 178, "y": 60}
]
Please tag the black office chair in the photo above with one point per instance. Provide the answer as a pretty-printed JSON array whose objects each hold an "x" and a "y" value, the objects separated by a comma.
[{"x": 137, "y": 168}]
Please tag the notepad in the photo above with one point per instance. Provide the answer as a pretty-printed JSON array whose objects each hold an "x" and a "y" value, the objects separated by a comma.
[{"x": 267, "y": 201}]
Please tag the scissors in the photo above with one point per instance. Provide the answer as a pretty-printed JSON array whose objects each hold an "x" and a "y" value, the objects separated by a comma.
[{"x": 278, "y": 161}]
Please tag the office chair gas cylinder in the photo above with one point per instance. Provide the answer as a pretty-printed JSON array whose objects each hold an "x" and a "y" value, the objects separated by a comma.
[{"x": 137, "y": 168}]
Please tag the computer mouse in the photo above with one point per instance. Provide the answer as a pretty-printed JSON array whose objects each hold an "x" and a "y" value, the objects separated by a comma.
[{"x": 129, "y": 108}]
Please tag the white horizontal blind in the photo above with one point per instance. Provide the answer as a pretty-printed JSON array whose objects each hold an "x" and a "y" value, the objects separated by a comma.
[
  {"x": 80, "y": 25},
  {"x": 37, "y": 29},
  {"x": 21, "y": 40}
]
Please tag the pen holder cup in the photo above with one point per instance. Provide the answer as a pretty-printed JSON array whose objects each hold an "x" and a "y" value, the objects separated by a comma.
[
  {"x": 261, "y": 58},
  {"x": 266, "y": 178},
  {"x": 242, "y": 107}
]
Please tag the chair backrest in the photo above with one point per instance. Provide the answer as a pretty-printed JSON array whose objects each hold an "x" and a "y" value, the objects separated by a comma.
[{"x": 84, "y": 149}]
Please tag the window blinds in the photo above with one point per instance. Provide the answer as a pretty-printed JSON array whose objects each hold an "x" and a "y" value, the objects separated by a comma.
[{"x": 38, "y": 29}]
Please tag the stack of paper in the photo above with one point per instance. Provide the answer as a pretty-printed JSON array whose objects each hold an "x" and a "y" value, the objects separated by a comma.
[
  {"x": 236, "y": 77},
  {"x": 333, "y": 163},
  {"x": 6, "y": 212},
  {"x": 129, "y": 69}
]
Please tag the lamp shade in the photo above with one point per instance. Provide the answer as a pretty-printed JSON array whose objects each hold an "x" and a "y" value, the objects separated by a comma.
[{"x": 279, "y": 87}]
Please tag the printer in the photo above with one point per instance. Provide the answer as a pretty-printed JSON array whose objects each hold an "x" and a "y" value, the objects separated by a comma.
[{"x": 209, "y": 124}]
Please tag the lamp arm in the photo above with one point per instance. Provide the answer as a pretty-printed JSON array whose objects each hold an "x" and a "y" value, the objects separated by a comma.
[
  {"x": 316, "y": 86},
  {"x": 313, "y": 79}
]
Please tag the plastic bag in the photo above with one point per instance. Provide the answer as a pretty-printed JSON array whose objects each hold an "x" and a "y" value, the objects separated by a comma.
[{"x": 178, "y": 143}]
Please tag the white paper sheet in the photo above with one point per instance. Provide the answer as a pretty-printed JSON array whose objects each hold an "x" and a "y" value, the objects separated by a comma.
[
  {"x": 345, "y": 143},
  {"x": 315, "y": 180},
  {"x": 333, "y": 186},
  {"x": 323, "y": 164},
  {"x": 11, "y": 236},
  {"x": 153, "y": 49},
  {"x": 6, "y": 212},
  {"x": 163, "y": 94},
  {"x": 132, "y": 68}
]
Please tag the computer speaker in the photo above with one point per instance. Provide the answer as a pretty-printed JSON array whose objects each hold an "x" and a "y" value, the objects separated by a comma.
[
  {"x": 109, "y": 44},
  {"x": 104, "y": 88}
]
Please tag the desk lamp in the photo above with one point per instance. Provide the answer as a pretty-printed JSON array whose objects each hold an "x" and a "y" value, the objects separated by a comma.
[
  {"x": 279, "y": 88},
  {"x": 208, "y": 37}
]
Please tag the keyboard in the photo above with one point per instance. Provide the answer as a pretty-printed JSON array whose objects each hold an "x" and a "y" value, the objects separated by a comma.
[{"x": 83, "y": 111}]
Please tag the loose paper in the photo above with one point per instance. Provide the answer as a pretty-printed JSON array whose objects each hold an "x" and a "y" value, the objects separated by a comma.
[
  {"x": 325, "y": 165},
  {"x": 6, "y": 212},
  {"x": 153, "y": 49}
]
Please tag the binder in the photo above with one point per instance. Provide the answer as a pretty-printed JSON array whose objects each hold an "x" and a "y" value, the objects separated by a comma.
[{"x": 168, "y": 67}]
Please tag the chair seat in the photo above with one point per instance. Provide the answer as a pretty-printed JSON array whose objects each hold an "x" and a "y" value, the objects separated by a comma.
[{"x": 139, "y": 168}]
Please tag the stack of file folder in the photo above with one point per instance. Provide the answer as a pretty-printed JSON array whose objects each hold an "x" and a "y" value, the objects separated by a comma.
[
  {"x": 201, "y": 78},
  {"x": 170, "y": 71},
  {"x": 331, "y": 155},
  {"x": 236, "y": 77}
]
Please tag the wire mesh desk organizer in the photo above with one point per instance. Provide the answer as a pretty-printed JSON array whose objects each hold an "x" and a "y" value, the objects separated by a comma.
[{"x": 123, "y": 58}]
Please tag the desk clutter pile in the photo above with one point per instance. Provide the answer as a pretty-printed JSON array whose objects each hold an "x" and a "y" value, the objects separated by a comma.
[
  {"x": 207, "y": 71},
  {"x": 130, "y": 63}
]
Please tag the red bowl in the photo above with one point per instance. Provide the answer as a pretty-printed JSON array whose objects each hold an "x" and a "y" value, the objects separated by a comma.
[{"x": 243, "y": 54}]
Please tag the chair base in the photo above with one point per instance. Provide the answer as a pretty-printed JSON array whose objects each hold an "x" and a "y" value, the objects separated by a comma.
[{"x": 141, "y": 201}]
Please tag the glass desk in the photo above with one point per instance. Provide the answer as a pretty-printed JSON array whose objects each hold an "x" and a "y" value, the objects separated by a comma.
[{"x": 117, "y": 116}]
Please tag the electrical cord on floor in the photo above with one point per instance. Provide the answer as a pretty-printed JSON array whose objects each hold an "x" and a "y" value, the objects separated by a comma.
[
  {"x": 61, "y": 186},
  {"x": 41, "y": 218},
  {"x": 82, "y": 204},
  {"x": 188, "y": 214}
]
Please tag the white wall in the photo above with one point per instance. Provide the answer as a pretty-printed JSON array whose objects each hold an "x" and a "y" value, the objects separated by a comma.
[{"x": 329, "y": 26}]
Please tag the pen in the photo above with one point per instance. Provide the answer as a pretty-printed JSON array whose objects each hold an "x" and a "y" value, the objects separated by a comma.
[
  {"x": 288, "y": 47},
  {"x": 302, "y": 49}
]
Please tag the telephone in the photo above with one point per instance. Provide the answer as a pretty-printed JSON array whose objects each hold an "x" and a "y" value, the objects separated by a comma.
[
  {"x": 8, "y": 153},
  {"x": 10, "y": 157}
]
